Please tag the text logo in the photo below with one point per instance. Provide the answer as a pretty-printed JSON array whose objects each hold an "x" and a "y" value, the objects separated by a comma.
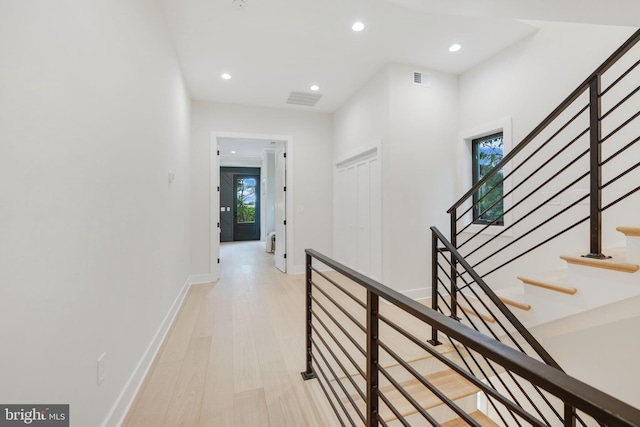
[{"x": 34, "y": 415}]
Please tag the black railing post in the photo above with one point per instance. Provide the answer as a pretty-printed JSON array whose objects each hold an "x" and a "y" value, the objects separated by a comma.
[
  {"x": 595, "y": 184},
  {"x": 434, "y": 284},
  {"x": 308, "y": 374},
  {"x": 454, "y": 267},
  {"x": 569, "y": 416},
  {"x": 372, "y": 358}
]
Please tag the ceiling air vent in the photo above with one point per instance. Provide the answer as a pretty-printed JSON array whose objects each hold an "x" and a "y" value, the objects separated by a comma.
[
  {"x": 421, "y": 79},
  {"x": 303, "y": 98}
]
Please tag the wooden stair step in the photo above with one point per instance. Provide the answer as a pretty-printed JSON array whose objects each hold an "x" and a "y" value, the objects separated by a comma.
[
  {"x": 617, "y": 262},
  {"x": 486, "y": 316},
  {"x": 552, "y": 280},
  {"x": 514, "y": 297},
  {"x": 480, "y": 417},
  {"x": 448, "y": 382},
  {"x": 629, "y": 231}
]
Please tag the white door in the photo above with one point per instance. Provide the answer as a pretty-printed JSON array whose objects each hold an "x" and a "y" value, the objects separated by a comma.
[
  {"x": 281, "y": 219},
  {"x": 358, "y": 214}
]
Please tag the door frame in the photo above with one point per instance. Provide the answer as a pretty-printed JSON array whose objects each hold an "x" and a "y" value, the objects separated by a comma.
[{"x": 214, "y": 213}]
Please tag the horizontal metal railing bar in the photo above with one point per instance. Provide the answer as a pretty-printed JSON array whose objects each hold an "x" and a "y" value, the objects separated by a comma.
[
  {"x": 341, "y": 308},
  {"x": 326, "y": 394},
  {"x": 491, "y": 391},
  {"x": 339, "y": 286},
  {"x": 496, "y": 318},
  {"x": 531, "y": 212},
  {"x": 395, "y": 411},
  {"x": 619, "y": 79},
  {"x": 536, "y": 151},
  {"x": 590, "y": 400},
  {"x": 340, "y": 346},
  {"x": 614, "y": 179},
  {"x": 531, "y": 230},
  {"x": 622, "y": 126},
  {"x": 495, "y": 375},
  {"x": 433, "y": 389},
  {"x": 533, "y": 248},
  {"x": 620, "y": 151},
  {"x": 546, "y": 357},
  {"x": 335, "y": 394},
  {"x": 333, "y": 319},
  {"x": 406, "y": 395},
  {"x": 342, "y": 368},
  {"x": 531, "y": 193},
  {"x": 621, "y": 102},
  {"x": 513, "y": 224},
  {"x": 613, "y": 58},
  {"x": 621, "y": 198}
]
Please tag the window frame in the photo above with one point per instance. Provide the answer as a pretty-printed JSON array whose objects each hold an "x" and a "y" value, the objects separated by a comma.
[
  {"x": 465, "y": 179},
  {"x": 475, "y": 177}
]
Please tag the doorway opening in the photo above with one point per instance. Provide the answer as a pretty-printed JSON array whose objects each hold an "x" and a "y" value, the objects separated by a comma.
[
  {"x": 249, "y": 175},
  {"x": 240, "y": 204}
]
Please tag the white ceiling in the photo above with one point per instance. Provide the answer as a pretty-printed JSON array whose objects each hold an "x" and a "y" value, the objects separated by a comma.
[{"x": 273, "y": 47}]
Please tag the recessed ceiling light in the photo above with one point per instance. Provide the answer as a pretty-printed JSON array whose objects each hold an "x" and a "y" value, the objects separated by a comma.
[
  {"x": 315, "y": 87},
  {"x": 233, "y": 152},
  {"x": 226, "y": 76},
  {"x": 455, "y": 47},
  {"x": 358, "y": 26}
]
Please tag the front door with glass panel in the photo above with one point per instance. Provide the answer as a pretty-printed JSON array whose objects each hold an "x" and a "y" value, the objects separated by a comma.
[{"x": 246, "y": 207}]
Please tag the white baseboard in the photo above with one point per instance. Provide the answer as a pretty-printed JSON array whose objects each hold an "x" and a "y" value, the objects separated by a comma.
[
  {"x": 124, "y": 401},
  {"x": 198, "y": 279},
  {"x": 418, "y": 294}
]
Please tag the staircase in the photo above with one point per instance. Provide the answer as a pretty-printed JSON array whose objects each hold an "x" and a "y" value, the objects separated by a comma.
[
  {"x": 585, "y": 284},
  {"x": 471, "y": 358}
]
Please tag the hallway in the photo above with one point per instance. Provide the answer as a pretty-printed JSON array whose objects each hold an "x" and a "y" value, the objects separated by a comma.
[{"x": 235, "y": 352}]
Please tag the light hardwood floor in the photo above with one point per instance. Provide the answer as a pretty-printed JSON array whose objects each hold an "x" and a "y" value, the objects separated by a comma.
[{"x": 235, "y": 352}]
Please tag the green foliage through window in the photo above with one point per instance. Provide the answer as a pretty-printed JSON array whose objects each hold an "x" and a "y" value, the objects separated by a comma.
[
  {"x": 488, "y": 200},
  {"x": 246, "y": 200}
]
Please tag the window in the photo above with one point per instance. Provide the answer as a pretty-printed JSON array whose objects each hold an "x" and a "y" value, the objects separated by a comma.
[
  {"x": 246, "y": 200},
  {"x": 488, "y": 205}
]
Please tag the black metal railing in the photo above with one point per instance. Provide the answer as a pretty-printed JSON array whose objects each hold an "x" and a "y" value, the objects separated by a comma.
[
  {"x": 367, "y": 347},
  {"x": 579, "y": 162}
]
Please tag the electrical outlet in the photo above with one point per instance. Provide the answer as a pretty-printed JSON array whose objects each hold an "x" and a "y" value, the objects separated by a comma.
[{"x": 102, "y": 368}]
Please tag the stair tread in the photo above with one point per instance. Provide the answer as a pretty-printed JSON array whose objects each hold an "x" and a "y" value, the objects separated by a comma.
[
  {"x": 480, "y": 313},
  {"x": 481, "y": 418},
  {"x": 617, "y": 262},
  {"x": 629, "y": 230},
  {"x": 514, "y": 297},
  {"x": 448, "y": 382},
  {"x": 556, "y": 280}
]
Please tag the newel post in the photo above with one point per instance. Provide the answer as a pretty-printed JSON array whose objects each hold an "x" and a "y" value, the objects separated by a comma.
[
  {"x": 308, "y": 374},
  {"x": 595, "y": 170},
  {"x": 434, "y": 284},
  {"x": 372, "y": 358}
]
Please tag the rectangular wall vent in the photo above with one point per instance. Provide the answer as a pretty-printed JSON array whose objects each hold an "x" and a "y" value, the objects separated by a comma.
[
  {"x": 303, "y": 98},
  {"x": 421, "y": 79}
]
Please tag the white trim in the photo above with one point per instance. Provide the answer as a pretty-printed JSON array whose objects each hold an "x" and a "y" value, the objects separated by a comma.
[
  {"x": 214, "y": 213},
  {"x": 366, "y": 152},
  {"x": 372, "y": 147},
  {"x": 199, "y": 279},
  {"x": 418, "y": 294},
  {"x": 124, "y": 401},
  {"x": 464, "y": 171}
]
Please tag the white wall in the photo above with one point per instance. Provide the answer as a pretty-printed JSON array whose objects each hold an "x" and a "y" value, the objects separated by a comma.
[
  {"x": 525, "y": 83},
  {"x": 94, "y": 243},
  {"x": 417, "y": 127},
  {"x": 311, "y": 192}
]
